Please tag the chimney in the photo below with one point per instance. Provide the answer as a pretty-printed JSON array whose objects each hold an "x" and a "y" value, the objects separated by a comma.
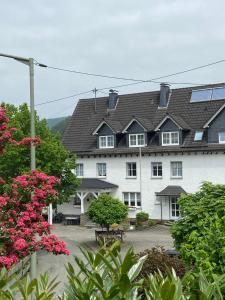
[
  {"x": 164, "y": 94},
  {"x": 113, "y": 99}
]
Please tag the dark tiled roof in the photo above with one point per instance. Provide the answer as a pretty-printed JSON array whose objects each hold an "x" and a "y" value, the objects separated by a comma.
[
  {"x": 171, "y": 190},
  {"x": 94, "y": 183},
  {"x": 78, "y": 136}
]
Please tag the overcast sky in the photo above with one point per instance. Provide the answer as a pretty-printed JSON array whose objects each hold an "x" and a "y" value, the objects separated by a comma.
[{"x": 140, "y": 39}]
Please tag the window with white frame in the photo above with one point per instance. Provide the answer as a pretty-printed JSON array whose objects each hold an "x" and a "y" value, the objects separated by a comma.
[
  {"x": 198, "y": 136},
  {"x": 132, "y": 199},
  {"x": 136, "y": 140},
  {"x": 222, "y": 137},
  {"x": 79, "y": 170},
  {"x": 131, "y": 170},
  {"x": 176, "y": 169},
  {"x": 106, "y": 141},
  {"x": 101, "y": 169},
  {"x": 170, "y": 138},
  {"x": 156, "y": 169}
]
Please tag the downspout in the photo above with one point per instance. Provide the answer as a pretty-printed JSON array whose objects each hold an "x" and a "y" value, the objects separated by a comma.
[{"x": 140, "y": 166}]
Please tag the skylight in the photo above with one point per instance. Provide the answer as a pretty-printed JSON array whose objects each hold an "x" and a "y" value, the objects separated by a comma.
[
  {"x": 198, "y": 136},
  {"x": 217, "y": 93}
]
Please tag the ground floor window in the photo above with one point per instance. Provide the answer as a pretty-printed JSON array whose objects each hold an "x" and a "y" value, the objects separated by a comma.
[
  {"x": 132, "y": 199},
  {"x": 175, "y": 208}
]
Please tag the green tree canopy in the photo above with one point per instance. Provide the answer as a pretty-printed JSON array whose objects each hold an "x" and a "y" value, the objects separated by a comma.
[
  {"x": 51, "y": 156},
  {"x": 200, "y": 233},
  {"x": 107, "y": 210}
]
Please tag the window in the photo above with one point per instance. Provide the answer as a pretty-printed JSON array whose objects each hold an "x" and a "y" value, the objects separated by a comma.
[
  {"x": 201, "y": 95},
  {"x": 131, "y": 169},
  {"x": 136, "y": 140},
  {"x": 79, "y": 170},
  {"x": 157, "y": 169},
  {"x": 101, "y": 169},
  {"x": 132, "y": 199},
  {"x": 76, "y": 201},
  {"x": 176, "y": 169},
  {"x": 198, "y": 136},
  {"x": 222, "y": 137},
  {"x": 217, "y": 93},
  {"x": 106, "y": 141},
  {"x": 170, "y": 138}
]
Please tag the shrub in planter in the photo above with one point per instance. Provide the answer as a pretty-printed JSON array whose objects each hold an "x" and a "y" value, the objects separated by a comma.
[
  {"x": 142, "y": 220},
  {"x": 158, "y": 259}
]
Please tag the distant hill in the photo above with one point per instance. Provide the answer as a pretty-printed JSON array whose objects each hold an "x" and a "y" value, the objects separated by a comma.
[{"x": 58, "y": 124}]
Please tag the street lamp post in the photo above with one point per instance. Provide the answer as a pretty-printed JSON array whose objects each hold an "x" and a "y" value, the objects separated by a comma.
[{"x": 30, "y": 63}]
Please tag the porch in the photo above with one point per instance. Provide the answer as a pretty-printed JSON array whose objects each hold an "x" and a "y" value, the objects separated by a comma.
[{"x": 169, "y": 207}]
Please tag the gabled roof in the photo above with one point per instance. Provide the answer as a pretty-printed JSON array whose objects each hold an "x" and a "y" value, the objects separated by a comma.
[
  {"x": 171, "y": 190},
  {"x": 78, "y": 136},
  {"x": 214, "y": 116},
  {"x": 178, "y": 121},
  {"x": 113, "y": 125},
  {"x": 144, "y": 123},
  {"x": 94, "y": 183}
]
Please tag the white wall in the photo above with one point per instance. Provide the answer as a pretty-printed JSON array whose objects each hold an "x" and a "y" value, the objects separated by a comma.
[{"x": 196, "y": 169}]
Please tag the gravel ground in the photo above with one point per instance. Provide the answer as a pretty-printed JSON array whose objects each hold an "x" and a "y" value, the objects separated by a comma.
[{"x": 76, "y": 236}]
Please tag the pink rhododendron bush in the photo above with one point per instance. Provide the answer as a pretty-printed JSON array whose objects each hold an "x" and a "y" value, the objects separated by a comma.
[{"x": 23, "y": 228}]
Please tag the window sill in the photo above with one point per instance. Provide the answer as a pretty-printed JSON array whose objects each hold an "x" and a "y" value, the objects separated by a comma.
[
  {"x": 134, "y": 207},
  {"x": 137, "y": 146},
  {"x": 156, "y": 177},
  {"x": 178, "y": 177},
  {"x": 130, "y": 177},
  {"x": 164, "y": 145}
]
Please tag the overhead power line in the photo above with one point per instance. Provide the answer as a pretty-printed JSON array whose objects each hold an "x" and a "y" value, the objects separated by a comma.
[{"x": 128, "y": 78}]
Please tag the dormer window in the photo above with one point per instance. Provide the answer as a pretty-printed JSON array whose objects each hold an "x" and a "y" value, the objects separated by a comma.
[
  {"x": 222, "y": 137},
  {"x": 170, "y": 138},
  {"x": 137, "y": 140},
  {"x": 106, "y": 141}
]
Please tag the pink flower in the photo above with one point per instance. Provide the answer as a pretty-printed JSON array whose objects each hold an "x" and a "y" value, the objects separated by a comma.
[{"x": 20, "y": 244}]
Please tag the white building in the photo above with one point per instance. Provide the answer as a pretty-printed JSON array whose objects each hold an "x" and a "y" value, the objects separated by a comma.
[{"x": 147, "y": 148}]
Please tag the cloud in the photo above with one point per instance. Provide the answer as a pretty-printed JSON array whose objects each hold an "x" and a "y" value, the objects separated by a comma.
[{"x": 140, "y": 39}]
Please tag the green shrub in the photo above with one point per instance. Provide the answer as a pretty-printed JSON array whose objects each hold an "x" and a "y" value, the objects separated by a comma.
[
  {"x": 107, "y": 210},
  {"x": 200, "y": 235},
  {"x": 142, "y": 217}
]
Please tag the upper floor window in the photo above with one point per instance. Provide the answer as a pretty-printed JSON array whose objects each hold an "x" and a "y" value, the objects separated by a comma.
[
  {"x": 136, "y": 140},
  {"x": 79, "y": 170},
  {"x": 132, "y": 169},
  {"x": 156, "y": 169},
  {"x": 132, "y": 199},
  {"x": 106, "y": 141},
  {"x": 222, "y": 137},
  {"x": 101, "y": 169},
  {"x": 176, "y": 169},
  {"x": 170, "y": 138}
]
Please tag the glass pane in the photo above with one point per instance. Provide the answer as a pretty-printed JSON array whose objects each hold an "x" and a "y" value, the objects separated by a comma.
[
  {"x": 166, "y": 137},
  {"x": 222, "y": 137},
  {"x": 201, "y": 95},
  {"x": 218, "y": 93},
  {"x": 174, "y": 137},
  {"x": 102, "y": 141},
  {"x": 133, "y": 140},
  {"x": 140, "y": 139},
  {"x": 198, "y": 135},
  {"x": 110, "y": 140}
]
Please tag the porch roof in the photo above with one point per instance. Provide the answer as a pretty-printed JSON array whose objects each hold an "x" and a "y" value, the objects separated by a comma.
[
  {"x": 95, "y": 183},
  {"x": 171, "y": 190}
]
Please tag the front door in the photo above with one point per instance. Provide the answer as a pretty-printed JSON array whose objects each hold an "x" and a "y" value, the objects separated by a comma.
[{"x": 174, "y": 208}]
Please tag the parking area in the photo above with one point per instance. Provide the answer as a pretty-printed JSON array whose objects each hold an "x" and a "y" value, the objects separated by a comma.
[{"x": 76, "y": 236}]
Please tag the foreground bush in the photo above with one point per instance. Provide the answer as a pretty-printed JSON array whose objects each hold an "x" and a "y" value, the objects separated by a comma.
[
  {"x": 200, "y": 234},
  {"x": 109, "y": 275}
]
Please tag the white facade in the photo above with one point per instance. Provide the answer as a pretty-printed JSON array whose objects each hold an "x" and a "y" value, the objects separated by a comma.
[{"x": 196, "y": 168}]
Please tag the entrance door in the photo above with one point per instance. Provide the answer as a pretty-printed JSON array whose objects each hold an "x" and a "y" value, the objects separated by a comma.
[{"x": 174, "y": 208}]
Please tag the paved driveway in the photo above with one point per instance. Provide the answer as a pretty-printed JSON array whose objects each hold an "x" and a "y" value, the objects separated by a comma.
[{"x": 76, "y": 237}]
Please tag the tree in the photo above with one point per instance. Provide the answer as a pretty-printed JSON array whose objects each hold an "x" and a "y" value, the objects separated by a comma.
[
  {"x": 51, "y": 157},
  {"x": 199, "y": 235},
  {"x": 106, "y": 210},
  {"x": 23, "y": 228}
]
